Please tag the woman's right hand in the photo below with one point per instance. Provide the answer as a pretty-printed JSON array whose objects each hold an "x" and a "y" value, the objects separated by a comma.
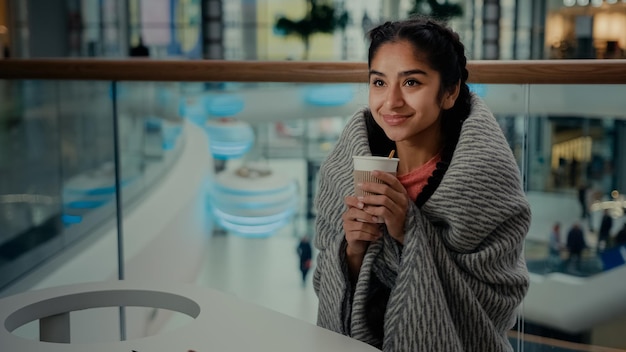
[{"x": 360, "y": 228}]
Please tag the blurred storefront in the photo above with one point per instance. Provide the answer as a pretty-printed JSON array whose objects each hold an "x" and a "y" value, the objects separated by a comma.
[{"x": 586, "y": 29}]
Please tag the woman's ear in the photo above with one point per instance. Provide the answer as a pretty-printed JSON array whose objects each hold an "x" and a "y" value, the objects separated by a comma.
[{"x": 449, "y": 97}]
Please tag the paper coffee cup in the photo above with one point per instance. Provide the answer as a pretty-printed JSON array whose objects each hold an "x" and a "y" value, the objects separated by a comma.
[{"x": 364, "y": 165}]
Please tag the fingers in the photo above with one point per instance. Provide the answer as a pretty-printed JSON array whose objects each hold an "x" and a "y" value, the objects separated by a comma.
[
  {"x": 380, "y": 205},
  {"x": 356, "y": 211},
  {"x": 390, "y": 187},
  {"x": 389, "y": 179},
  {"x": 355, "y": 235},
  {"x": 359, "y": 233},
  {"x": 387, "y": 206},
  {"x": 357, "y": 220},
  {"x": 353, "y": 202}
]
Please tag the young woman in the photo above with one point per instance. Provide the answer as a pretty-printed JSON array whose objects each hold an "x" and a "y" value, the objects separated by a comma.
[{"x": 433, "y": 261}]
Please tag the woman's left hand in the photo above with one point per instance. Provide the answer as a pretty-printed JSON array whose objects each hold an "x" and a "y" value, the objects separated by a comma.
[{"x": 390, "y": 202}]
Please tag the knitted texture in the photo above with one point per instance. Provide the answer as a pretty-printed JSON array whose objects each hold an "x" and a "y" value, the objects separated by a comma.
[{"x": 457, "y": 281}]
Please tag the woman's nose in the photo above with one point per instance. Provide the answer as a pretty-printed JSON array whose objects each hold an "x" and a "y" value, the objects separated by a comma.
[{"x": 394, "y": 97}]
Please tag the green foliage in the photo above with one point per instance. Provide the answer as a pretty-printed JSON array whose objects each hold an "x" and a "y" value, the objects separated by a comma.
[
  {"x": 434, "y": 9},
  {"x": 320, "y": 18}
]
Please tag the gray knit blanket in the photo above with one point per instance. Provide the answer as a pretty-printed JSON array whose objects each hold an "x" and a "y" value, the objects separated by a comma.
[{"x": 457, "y": 281}]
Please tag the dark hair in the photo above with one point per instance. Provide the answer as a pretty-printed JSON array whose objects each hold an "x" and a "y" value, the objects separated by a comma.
[{"x": 442, "y": 49}]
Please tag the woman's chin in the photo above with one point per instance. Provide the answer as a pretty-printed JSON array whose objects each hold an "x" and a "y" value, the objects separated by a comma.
[{"x": 395, "y": 136}]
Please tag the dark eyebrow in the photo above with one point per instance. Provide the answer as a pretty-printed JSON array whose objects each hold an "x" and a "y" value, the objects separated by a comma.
[
  {"x": 413, "y": 72},
  {"x": 403, "y": 73}
]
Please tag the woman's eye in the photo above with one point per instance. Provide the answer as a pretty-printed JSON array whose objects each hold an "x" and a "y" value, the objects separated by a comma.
[
  {"x": 377, "y": 83},
  {"x": 411, "y": 83}
]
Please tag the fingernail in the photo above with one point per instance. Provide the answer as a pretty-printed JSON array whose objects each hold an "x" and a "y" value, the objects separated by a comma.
[
  {"x": 359, "y": 184},
  {"x": 360, "y": 205},
  {"x": 375, "y": 218}
]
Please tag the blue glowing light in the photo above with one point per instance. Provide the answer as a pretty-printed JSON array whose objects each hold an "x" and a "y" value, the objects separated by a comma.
[
  {"x": 252, "y": 207},
  {"x": 170, "y": 136},
  {"x": 229, "y": 139},
  {"x": 216, "y": 187},
  {"x": 253, "y": 203},
  {"x": 226, "y": 105},
  {"x": 85, "y": 204},
  {"x": 182, "y": 107},
  {"x": 261, "y": 226},
  {"x": 478, "y": 88},
  {"x": 71, "y": 219},
  {"x": 328, "y": 95},
  {"x": 253, "y": 220},
  {"x": 153, "y": 124}
]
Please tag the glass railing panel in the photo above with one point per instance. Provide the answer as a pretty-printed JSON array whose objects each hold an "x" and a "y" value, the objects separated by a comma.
[
  {"x": 56, "y": 162},
  {"x": 266, "y": 141},
  {"x": 575, "y": 170},
  {"x": 149, "y": 133},
  {"x": 509, "y": 104},
  {"x": 193, "y": 156},
  {"x": 151, "y": 140},
  {"x": 58, "y": 190},
  {"x": 87, "y": 160},
  {"x": 31, "y": 202}
]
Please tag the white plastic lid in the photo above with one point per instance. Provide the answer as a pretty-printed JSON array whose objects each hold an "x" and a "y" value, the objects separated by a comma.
[{"x": 370, "y": 163}]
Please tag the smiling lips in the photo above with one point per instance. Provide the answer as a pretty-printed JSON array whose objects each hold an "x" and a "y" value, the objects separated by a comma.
[{"x": 394, "y": 120}]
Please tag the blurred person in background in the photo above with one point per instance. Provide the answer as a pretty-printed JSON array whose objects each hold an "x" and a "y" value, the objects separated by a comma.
[
  {"x": 305, "y": 252},
  {"x": 554, "y": 257},
  {"x": 576, "y": 244},
  {"x": 605, "y": 231}
]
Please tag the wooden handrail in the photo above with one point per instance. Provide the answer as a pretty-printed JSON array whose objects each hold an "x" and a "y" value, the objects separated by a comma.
[{"x": 492, "y": 71}]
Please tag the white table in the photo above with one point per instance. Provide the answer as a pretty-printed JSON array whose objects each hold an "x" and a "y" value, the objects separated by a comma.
[{"x": 222, "y": 322}]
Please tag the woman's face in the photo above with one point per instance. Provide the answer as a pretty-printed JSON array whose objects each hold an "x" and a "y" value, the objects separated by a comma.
[{"x": 403, "y": 94}]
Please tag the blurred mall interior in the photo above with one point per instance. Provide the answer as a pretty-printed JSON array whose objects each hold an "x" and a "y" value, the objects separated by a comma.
[{"x": 213, "y": 182}]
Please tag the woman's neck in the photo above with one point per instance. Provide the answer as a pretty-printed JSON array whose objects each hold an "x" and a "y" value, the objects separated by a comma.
[{"x": 413, "y": 156}]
